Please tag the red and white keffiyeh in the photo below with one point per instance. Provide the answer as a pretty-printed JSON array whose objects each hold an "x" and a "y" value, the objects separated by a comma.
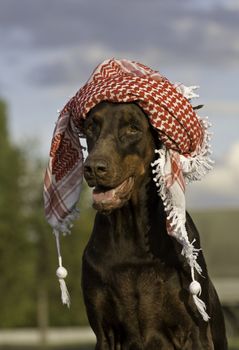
[{"x": 184, "y": 156}]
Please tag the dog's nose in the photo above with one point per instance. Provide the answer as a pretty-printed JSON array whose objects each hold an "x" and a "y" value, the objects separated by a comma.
[
  {"x": 95, "y": 168},
  {"x": 100, "y": 167}
]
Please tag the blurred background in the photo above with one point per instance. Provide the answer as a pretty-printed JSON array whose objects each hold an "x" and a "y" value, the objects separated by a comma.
[{"x": 48, "y": 50}]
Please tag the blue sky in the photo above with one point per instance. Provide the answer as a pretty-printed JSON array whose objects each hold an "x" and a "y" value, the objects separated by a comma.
[{"x": 50, "y": 47}]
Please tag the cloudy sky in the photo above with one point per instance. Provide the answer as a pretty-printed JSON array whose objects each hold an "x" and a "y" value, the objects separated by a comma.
[{"x": 49, "y": 48}]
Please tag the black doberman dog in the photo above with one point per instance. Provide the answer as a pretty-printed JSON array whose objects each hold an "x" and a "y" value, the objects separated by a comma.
[{"x": 135, "y": 281}]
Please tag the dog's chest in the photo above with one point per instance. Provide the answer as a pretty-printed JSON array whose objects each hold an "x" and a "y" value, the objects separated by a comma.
[
  {"x": 140, "y": 288},
  {"x": 137, "y": 284},
  {"x": 123, "y": 279}
]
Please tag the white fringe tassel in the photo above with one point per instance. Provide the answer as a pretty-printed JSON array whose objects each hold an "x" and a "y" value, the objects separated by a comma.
[
  {"x": 195, "y": 289},
  {"x": 61, "y": 273},
  {"x": 64, "y": 228},
  {"x": 199, "y": 164},
  {"x": 65, "y": 297},
  {"x": 196, "y": 168},
  {"x": 201, "y": 306}
]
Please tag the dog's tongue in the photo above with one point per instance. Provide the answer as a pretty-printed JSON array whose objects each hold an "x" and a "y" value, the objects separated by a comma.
[
  {"x": 110, "y": 199},
  {"x": 103, "y": 196}
]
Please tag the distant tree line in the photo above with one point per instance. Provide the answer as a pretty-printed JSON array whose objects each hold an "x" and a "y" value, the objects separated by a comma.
[{"x": 29, "y": 291}]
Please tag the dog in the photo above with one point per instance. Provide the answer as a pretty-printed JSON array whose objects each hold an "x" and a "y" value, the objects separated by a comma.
[{"x": 134, "y": 279}]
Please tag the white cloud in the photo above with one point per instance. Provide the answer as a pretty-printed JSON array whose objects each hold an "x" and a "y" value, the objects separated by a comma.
[
  {"x": 233, "y": 161},
  {"x": 221, "y": 186},
  {"x": 224, "y": 179},
  {"x": 204, "y": 31},
  {"x": 224, "y": 107}
]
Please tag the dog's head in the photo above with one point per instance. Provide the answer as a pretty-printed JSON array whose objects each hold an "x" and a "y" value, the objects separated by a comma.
[{"x": 121, "y": 147}]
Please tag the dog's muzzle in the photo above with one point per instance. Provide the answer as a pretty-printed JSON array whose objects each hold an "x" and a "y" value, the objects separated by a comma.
[{"x": 106, "y": 200}]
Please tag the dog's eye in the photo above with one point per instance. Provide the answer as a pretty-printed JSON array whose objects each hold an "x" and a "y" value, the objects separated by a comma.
[
  {"x": 132, "y": 129},
  {"x": 130, "y": 133}
]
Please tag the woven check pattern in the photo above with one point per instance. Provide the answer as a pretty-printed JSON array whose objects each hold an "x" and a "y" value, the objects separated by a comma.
[
  {"x": 169, "y": 112},
  {"x": 125, "y": 81},
  {"x": 175, "y": 174}
]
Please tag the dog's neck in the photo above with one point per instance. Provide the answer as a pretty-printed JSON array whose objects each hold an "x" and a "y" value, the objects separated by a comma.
[{"x": 138, "y": 228}]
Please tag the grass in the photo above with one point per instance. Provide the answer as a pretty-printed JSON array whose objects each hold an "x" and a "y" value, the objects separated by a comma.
[
  {"x": 220, "y": 240},
  {"x": 68, "y": 347},
  {"x": 233, "y": 345}
]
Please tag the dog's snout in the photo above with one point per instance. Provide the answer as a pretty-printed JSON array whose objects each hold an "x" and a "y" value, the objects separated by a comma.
[{"x": 95, "y": 167}]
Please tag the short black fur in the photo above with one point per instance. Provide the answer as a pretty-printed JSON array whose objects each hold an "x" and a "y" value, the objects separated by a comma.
[{"x": 135, "y": 281}]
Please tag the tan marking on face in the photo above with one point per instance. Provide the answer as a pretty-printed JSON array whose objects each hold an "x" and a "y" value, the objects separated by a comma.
[{"x": 135, "y": 163}]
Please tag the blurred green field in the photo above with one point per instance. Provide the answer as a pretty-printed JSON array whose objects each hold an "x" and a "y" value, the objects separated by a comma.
[
  {"x": 74, "y": 347},
  {"x": 234, "y": 345},
  {"x": 219, "y": 231}
]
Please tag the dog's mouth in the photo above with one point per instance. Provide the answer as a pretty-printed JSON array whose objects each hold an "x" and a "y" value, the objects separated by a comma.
[{"x": 106, "y": 200}]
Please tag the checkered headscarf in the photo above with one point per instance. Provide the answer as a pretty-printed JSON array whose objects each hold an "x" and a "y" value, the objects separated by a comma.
[{"x": 184, "y": 155}]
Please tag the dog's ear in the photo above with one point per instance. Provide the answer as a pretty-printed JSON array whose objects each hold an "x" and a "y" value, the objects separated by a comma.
[
  {"x": 157, "y": 142},
  {"x": 198, "y": 107},
  {"x": 83, "y": 122}
]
